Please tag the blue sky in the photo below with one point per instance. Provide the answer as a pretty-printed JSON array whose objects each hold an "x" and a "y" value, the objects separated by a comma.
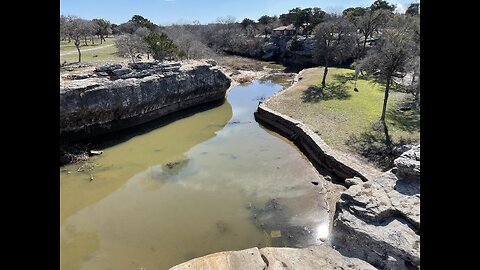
[{"x": 175, "y": 11}]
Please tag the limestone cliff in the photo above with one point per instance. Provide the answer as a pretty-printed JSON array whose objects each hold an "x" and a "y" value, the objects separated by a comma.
[{"x": 113, "y": 97}]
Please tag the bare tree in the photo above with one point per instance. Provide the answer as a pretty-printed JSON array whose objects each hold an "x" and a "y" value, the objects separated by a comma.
[
  {"x": 130, "y": 46},
  {"x": 76, "y": 29},
  {"x": 368, "y": 24},
  {"x": 391, "y": 56},
  {"x": 334, "y": 42},
  {"x": 189, "y": 40}
]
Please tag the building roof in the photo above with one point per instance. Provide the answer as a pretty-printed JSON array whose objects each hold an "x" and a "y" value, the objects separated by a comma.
[{"x": 288, "y": 27}]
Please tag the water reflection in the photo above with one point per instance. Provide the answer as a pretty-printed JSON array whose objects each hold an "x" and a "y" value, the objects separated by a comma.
[{"x": 210, "y": 182}]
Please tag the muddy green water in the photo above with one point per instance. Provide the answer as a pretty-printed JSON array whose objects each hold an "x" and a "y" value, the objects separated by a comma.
[{"x": 209, "y": 182}]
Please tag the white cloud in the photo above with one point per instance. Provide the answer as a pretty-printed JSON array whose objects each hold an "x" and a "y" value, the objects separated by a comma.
[{"x": 401, "y": 8}]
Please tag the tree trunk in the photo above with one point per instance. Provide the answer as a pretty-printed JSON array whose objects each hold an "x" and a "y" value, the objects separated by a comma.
[
  {"x": 325, "y": 71},
  {"x": 364, "y": 46},
  {"x": 86, "y": 41},
  {"x": 388, "y": 140},
  {"x": 385, "y": 100},
  {"x": 77, "y": 44},
  {"x": 101, "y": 38},
  {"x": 93, "y": 40}
]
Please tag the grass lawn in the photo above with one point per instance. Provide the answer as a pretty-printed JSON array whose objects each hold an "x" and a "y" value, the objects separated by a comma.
[
  {"x": 105, "y": 52},
  {"x": 345, "y": 118}
]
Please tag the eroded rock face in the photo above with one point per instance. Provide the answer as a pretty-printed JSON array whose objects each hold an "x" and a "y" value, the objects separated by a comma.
[
  {"x": 316, "y": 257},
  {"x": 379, "y": 221},
  {"x": 408, "y": 164},
  {"x": 113, "y": 98}
]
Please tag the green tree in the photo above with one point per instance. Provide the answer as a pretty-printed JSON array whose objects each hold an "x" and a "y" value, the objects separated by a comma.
[
  {"x": 354, "y": 12},
  {"x": 115, "y": 29},
  {"x": 248, "y": 24},
  {"x": 413, "y": 9},
  {"x": 307, "y": 18},
  {"x": 161, "y": 46},
  {"x": 334, "y": 42},
  {"x": 310, "y": 18},
  {"x": 102, "y": 28},
  {"x": 382, "y": 4},
  {"x": 264, "y": 21},
  {"x": 140, "y": 21},
  {"x": 290, "y": 17}
]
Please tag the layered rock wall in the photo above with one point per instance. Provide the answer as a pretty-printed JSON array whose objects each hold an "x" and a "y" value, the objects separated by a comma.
[{"x": 115, "y": 97}]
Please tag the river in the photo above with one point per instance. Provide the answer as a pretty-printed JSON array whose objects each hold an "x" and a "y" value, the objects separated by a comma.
[{"x": 210, "y": 181}]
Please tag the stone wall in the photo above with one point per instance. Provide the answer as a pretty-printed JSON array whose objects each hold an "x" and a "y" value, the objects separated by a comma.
[
  {"x": 115, "y": 97},
  {"x": 312, "y": 145}
]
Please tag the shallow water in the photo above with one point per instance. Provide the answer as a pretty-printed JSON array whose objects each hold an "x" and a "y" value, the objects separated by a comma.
[{"x": 212, "y": 181}]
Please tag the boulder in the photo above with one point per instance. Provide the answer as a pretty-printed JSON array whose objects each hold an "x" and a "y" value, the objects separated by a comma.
[
  {"x": 211, "y": 62},
  {"x": 408, "y": 164},
  {"x": 108, "y": 68},
  {"x": 122, "y": 71},
  {"x": 247, "y": 259},
  {"x": 314, "y": 257},
  {"x": 379, "y": 221},
  {"x": 272, "y": 258},
  {"x": 398, "y": 150},
  {"x": 353, "y": 181}
]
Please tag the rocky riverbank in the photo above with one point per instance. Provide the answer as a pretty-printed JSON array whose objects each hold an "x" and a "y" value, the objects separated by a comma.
[
  {"x": 114, "y": 97},
  {"x": 379, "y": 221},
  {"x": 376, "y": 226},
  {"x": 290, "y": 51}
]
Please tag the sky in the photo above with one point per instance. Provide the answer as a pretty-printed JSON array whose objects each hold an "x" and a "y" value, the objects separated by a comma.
[{"x": 165, "y": 12}]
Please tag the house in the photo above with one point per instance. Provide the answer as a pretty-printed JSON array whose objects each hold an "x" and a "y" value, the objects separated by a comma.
[{"x": 288, "y": 30}]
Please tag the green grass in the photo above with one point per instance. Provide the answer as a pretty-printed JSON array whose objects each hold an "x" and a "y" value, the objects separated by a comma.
[
  {"x": 106, "y": 54},
  {"x": 346, "y": 119}
]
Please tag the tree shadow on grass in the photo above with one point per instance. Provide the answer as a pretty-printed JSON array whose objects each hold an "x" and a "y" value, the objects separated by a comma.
[
  {"x": 335, "y": 90},
  {"x": 407, "y": 120},
  {"x": 344, "y": 78},
  {"x": 374, "y": 145}
]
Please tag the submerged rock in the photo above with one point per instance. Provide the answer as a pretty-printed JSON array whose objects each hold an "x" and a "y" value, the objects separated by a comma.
[
  {"x": 274, "y": 220},
  {"x": 379, "y": 220}
]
